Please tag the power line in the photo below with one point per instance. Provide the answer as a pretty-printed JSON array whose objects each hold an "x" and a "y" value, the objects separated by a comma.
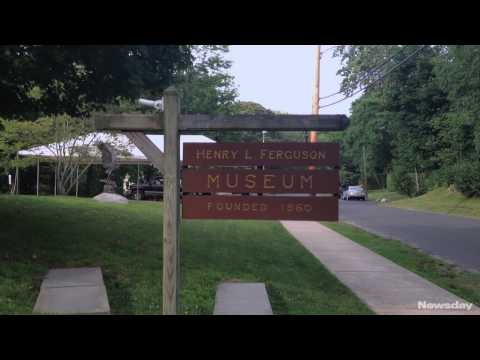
[
  {"x": 376, "y": 80},
  {"x": 370, "y": 71}
]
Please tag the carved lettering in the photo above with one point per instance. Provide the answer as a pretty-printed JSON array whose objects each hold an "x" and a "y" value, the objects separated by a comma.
[
  {"x": 229, "y": 184},
  {"x": 267, "y": 179},
  {"x": 250, "y": 181},
  {"x": 284, "y": 182},
  {"x": 213, "y": 180},
  {"x": 200, "y": 154},
  {"x": 306, "y": 180}
]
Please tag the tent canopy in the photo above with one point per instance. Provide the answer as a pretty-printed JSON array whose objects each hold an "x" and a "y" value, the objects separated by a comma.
[{"x": 121, "y": 141}]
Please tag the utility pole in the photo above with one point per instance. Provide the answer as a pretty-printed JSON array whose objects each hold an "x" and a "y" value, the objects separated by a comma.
[
  {"x": 316, "y": 91},
  {"x": 316, "y": 95}
]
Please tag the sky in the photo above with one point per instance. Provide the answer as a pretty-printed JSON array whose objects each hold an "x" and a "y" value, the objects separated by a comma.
[{"x": 280, "y": 77}]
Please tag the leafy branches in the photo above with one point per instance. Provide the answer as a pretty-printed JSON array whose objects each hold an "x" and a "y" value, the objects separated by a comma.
[{"x": 78, "y": 79}]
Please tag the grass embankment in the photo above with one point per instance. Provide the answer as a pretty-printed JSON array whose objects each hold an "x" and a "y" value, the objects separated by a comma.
[
  {"x": 442, "y": 200},
  {"x": 462, "y": 283},
  {"x": 38, "y": 234},
  {"x": 377, "y": 195}
]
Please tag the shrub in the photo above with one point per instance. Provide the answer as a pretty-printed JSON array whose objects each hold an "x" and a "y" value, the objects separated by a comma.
[
  {"x": 467, "y": 178},
  {"x": 390, "y": 184},
  {"x": 402, "y": 180},
  {"x": 438, "y": 178}
]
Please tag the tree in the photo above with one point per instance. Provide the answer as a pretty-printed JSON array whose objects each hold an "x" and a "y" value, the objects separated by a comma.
[
  {"x": 458, "y": 74},
  {"x": 399, "y": 109},
  {"x": 40, "y": 80},
  {"x": 369, "y": 132},
  {"x": 207, "y": 86},
  {"x": 363, "y": 64},
  {"x": 71, "y": 141},
  {"x": 18, "y": 136}
]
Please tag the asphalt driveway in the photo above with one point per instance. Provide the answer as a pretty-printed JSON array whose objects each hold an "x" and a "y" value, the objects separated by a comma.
[{"x": 451, "y": 238}]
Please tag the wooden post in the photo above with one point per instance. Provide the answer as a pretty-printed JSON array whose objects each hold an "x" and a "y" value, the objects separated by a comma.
[
  {"x": 171, "y": 212},
  {"x": 38, "y": 174}
]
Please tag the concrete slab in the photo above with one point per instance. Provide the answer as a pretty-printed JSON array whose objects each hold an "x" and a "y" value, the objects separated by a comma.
[
  {"x": 242, "y": 299},
  {"x": 73, "y": 277},
  {"x": 73, "y": 291},
  {"x": 384, "y": 286},
  {"x": 72, "y": 300}
]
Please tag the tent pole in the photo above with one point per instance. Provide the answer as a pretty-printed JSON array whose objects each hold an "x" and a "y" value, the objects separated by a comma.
[
  {"x": 38, "y": 174},
  {"x": 76, "y": 189},
  {"x": 138, "y": 178},
  {"x": 55, "y": 183},
  {"x": 17, "y": 181}
]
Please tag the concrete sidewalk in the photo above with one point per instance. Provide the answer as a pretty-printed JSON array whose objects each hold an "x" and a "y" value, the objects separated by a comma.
[{"x": 387, "y": 288}]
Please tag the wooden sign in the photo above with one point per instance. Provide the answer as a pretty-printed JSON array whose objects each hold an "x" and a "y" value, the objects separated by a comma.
[
  {"x": 260, "y": 181},
  {"x": 239, "y": 190},
  {"x": 267, "y": 154},
  {"x": 260, "y": 207},
  {"x": 172, "y": 123}
]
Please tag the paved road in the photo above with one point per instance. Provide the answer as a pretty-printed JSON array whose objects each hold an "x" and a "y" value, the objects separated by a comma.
[{"x": 452, "y": 238}]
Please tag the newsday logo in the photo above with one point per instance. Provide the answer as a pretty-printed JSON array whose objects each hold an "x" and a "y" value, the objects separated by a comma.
[{"x": 457, "y": 305}]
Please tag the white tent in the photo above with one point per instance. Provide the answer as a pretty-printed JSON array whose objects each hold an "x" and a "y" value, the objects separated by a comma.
[
  {"x": 135, "y": 155},
  {"x": 129, "y": 154}
]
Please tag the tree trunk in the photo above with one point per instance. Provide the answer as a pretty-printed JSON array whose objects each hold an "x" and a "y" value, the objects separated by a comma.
[
  {"x": 416, "y": 180},
  {"x": 61, "y": 188}
]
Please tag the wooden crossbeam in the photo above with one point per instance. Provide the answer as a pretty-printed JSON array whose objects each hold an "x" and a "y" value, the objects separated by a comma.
[
  {"x": 203, "y": 122},
  {"x": 149, "y": 149}
]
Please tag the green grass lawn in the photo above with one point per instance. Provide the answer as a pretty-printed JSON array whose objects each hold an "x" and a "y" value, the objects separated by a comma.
[
  {"x": 449, "y": 277},
  {"x": 41, "y": 233},
  {"x": 442, "y": 201},
  {"x": 377, "y": 195}
]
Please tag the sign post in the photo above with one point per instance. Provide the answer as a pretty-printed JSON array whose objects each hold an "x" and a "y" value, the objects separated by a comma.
[
  {"x": 172, "y": 123},
  {"x": 171, "y": 197}
]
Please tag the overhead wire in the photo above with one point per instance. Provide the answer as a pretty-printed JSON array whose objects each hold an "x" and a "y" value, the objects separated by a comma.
[
  {"x": 369, "y": 72},
  {"x": 376, "y": 80}
]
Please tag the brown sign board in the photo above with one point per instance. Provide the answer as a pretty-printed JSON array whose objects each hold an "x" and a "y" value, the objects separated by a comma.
[
  {"x": 316, "y": 208},
  {"x": 260, "y": 181},
  {"x": 266, "y": 154}
]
